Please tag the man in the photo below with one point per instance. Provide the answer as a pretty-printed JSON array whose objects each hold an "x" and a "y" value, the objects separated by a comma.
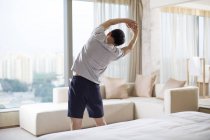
[{"x": 90, "y": 63}]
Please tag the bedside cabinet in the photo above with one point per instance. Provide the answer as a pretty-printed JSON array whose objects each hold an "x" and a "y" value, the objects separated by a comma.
[{"x": 204, "y": 105}]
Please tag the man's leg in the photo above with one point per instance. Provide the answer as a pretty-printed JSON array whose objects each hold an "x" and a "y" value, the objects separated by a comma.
[
  {"x": 100, "y": 121},
  {"x": 76, "y": 101},
  {"x": 76, "y": 123},
  {"x": 95, "y": 105}
]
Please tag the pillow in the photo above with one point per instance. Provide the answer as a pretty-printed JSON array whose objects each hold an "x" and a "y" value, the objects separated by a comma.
[
  {"x": 144, "y": 85},
  {"x": 171, "y": 83},
  {"x": 115, "y": 88}
]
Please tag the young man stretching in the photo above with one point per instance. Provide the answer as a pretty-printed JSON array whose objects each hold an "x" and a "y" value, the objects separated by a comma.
[{"x": 90, "y": 63}]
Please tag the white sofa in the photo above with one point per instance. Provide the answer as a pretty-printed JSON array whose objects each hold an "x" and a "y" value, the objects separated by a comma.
[{"x": 44, "y": 118}]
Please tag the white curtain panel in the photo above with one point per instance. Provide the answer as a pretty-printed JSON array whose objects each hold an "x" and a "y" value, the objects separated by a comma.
[
  {"x": 207, "y": 48},
  {"x": 105, "y": 10},
  {"x": 109, "y": 9},
  {"x": 207, "y": 40},
  {"x": 179, "y": 42},
  {"x": 195, "y": 66}
]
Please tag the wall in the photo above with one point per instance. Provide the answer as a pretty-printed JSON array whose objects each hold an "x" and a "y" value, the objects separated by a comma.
[
  {"x": 151, "y": 39},
  {"x": 151, "y": 33}
]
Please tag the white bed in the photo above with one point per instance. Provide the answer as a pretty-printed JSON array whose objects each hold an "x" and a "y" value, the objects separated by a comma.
[{"x": 177, "y": 126}]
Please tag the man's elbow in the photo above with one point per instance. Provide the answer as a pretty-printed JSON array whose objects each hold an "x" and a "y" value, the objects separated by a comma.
[{"x": 126, "y": 50}]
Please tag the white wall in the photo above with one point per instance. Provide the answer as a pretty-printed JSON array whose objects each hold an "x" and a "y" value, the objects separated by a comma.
[
  {"x": 161, "y": 3},
  {"x": 151, "y": 39}
]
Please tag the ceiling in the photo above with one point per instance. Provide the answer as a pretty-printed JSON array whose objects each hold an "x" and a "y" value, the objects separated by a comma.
[
  {"x": 198, "y": 4},
  {"x": 203, "y": 2}
]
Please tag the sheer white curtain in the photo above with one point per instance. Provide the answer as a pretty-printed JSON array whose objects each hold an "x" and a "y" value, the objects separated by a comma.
[
  {"x": 207, "y": 39},
  {"x": 179, "y": 42},
  {"x": 109, "y": 9}
]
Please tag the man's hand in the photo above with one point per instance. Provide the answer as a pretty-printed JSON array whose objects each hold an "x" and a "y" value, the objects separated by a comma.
[
  {"x": 135, "y": 28},
  {"x": 131, "y": 24}
]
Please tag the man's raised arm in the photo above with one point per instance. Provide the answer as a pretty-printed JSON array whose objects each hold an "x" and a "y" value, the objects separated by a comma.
[
  {"x": 130, "y": 24},
  {"x": 111, "y": 22},
  {"x": 135, "y": 29}
]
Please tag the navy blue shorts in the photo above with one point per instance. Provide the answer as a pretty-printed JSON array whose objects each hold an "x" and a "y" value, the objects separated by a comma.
[{"x": 84, "y": 93}]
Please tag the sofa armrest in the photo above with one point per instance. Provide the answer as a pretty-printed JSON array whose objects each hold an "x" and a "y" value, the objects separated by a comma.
[
  {"x": 60, "y": 94},
  {"x": 181, "y": 99}
]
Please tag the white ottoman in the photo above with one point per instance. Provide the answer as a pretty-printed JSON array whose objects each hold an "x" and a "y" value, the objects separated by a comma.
[{"x": 45, "y": 118}]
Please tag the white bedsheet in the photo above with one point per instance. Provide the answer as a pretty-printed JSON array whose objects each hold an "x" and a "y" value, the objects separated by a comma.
[{"x": 177, "y": 126}]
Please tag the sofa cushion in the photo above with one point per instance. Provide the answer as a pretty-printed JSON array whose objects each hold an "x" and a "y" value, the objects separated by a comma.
[
  {"x": 60, "y": 94},
  {"x": 115, "y": 88},
  {"x": 170, "y": 84},
  {"x": 144, "y": 85},
  {"x": 157, "y": 89},
  {"x": 115, "y": 110},
  {"x": 145, "y": 107}
]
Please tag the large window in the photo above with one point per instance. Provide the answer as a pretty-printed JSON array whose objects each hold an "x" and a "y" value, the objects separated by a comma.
[
  {"x": 83, "y": 24},
  {"x": 31, "y": 51},
  {"x": 87, "y": 14},
  {"x": 185, "y": 34}
]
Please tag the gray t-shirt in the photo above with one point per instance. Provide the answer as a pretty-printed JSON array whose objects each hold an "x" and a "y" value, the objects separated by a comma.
[{"x": 95, "y": 56}]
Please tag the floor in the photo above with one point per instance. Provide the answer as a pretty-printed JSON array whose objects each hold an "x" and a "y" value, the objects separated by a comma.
[{"x": 16, "y": 133}]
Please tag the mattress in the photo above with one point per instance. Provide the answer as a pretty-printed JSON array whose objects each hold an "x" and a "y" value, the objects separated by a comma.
[{"x": 176, "y": 126}]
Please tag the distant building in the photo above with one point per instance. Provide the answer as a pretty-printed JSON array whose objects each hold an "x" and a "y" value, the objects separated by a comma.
[
  {"x": 16, "y": 66},
  {"x": 22, "y": 67},
  {"x": 49, "y": 63},
  {"x": 1, "y": 89}
]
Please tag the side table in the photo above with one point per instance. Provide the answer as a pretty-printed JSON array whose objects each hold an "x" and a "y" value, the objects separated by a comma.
[
  {"x": 206, "y": 87},
  {"x": 204, "y": 105}
]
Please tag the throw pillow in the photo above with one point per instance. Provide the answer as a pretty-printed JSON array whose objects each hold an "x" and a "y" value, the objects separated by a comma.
[
  {"x": 170, "y": 84},
  {"x": 144, "y": 85},
  {"x": 115, "y": 88}
]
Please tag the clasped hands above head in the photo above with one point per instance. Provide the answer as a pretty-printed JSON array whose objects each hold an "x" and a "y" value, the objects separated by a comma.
[{"x": 133, "y": 25}]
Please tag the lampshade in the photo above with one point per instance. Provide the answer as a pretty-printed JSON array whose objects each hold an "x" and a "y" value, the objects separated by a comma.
[{"x": 195, "y": 66}]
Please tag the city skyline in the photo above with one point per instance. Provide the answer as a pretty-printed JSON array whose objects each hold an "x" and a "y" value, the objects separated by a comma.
[
  {"x": 22, "y": 67},
  {"x": 32, "y": 33}
]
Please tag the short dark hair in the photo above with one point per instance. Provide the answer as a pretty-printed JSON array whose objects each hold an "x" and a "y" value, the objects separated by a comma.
[{"x": 118, "y": 36}]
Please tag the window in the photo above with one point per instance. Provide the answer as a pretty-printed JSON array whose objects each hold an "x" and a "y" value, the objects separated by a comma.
[
  {"x": 85, "y": 19},
  {"x": 184, "y": 35},
  {"x": 83, "y": 24},
  {"x": 31, "y": 51}
]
